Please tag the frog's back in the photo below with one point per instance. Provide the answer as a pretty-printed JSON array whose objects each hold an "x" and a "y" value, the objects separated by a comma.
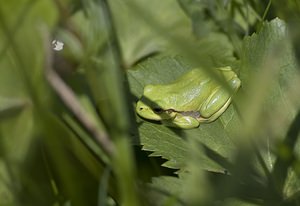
[
  {"x": 184, "y": 93},
  {"x": 188, "y": 92},
  {"x": 191, "y": 91}
]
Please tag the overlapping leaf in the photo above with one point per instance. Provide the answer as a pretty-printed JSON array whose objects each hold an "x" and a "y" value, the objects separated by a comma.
[
  {"x": 271, "y": 78},
  {"x": 137, "y": 38}
]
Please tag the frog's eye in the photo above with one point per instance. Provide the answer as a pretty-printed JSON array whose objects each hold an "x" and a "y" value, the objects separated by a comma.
[{"x": 158, "y": 110}]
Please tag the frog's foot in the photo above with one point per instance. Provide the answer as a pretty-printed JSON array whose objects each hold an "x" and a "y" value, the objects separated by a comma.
[{"x": 184, "y": 122}]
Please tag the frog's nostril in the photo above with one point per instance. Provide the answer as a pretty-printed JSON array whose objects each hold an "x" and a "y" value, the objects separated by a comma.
[{"x": 141, "y": 108}]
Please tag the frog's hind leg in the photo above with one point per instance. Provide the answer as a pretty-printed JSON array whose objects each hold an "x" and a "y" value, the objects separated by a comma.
[
  {"x": 217, "y": 114},
  {"x": 184, "y": 122},
  {"x": 215, "y": 104}
]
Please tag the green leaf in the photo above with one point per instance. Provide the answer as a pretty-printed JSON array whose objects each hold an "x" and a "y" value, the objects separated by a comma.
[
  {"x": 269, "y": 68},
  {"x": 269, "y": 76},
  {"x": 138, "y": 39},
  {"x": 237, "y": 202},
  {"x": 166, "y": 190},
  {"x": 174, "y": 144},
  {"x": 40, "y": 156},
  {"x": 10, "y": 107},
  {"x": 270, "y": 81}
]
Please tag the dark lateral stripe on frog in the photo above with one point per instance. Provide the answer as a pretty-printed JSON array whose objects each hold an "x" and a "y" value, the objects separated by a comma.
[{"x": 195, "y": 114}]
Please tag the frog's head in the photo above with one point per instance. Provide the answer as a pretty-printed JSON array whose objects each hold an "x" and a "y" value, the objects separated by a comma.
[
  {"x": 151, "y": 105},
  {"x": 152, "y": 111}
]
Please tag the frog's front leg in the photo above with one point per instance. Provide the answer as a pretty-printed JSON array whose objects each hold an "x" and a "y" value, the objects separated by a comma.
[{"x": 181, "y": 121}]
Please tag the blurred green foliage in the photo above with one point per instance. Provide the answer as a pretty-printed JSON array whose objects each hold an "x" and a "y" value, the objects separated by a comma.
[{"x": 68, "y": 131}]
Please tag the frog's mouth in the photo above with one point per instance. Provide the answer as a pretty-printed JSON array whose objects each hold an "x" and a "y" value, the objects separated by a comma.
[
  {"x": 156, "y": 113},
  {"x": 149, "y": 110},
  {"x": 171, "y": 113},
  {"x": 162, "y": 114}
]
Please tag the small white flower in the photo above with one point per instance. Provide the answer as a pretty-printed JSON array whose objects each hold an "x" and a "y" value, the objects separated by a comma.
[{"x": 57, "y": 45}]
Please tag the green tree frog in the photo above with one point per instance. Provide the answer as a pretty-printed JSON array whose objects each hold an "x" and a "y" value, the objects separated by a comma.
[{"x": 192, "y": 99}]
